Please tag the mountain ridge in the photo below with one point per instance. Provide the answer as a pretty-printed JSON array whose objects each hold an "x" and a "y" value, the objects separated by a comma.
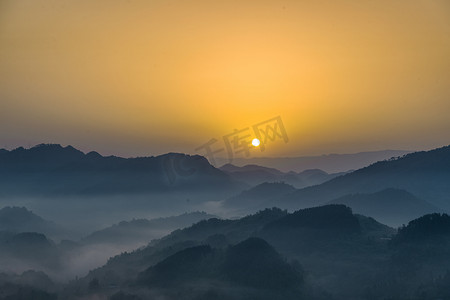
[
  {"x": 425, "y": 174},
  {"x": 389, "y": 206},
  {"x": 70, "y": 171},
  {"x": 255, "y": 175},
  {"x": 330, "y": 163}
]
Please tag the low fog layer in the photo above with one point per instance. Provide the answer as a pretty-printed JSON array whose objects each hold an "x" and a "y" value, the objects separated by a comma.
[
  {"x": 92, "y": 241},
  {"x": 64, "y": 259}
]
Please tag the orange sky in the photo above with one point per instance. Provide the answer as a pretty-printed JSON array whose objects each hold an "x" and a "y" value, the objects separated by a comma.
[{"x": 148, "y": 77}]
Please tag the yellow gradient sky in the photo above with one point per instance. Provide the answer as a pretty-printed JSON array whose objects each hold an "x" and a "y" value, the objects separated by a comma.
[{"x": 147, "y": 77}]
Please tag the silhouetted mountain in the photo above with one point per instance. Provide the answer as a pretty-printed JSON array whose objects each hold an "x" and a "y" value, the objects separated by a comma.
[
  {"x": 418, "y": 262},
  {"x": 324, "y": 223},
  {"x": 25, "y": 250},
  {"x": 314, "y": 176},
  {"x": 254, "y": 175},
  {"x": 10, "y": 291},
  {"x": 258, "y": 197},
  {"x": 234, "y": 230},
  {"x": 39, "y": 158},
  {"x": 428, "y": 227},
  {"x": 215, "y": 231},
  {"x": 142, "y": 231},
  {"x": 22, "y": 251},
  {"x": 50, "y": 169},
  {"x": 252, "y": 266},
  {"x": 29, "y": 240},
  {"x": 424, "y": 174},
  {"x": 20, "y": 219},
  {"x": 307, "y": 231},
  {"x": 329, "y": 240},
  {"x": 390, "y": 206},
  {"x": 30, "y": 278},
  {"x": 255, "y": 263},
  {"x": 328, "y": 217},
  {"x": 330, "y": 221},
  {"x": 230, "y": 168},
  {"x": 331, "y": 163},
  {"x": 371, "y": 228}
]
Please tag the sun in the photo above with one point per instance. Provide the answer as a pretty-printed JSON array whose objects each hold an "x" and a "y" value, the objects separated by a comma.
[{"x": 255, "y": 142}]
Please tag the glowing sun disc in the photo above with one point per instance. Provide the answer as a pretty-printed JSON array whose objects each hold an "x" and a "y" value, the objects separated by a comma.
[{"x": 255, "y": 142}]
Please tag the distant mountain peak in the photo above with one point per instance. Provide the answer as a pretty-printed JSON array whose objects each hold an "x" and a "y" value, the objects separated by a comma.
[
  {"x": 20, "y": 219},
  {"x": 425, "y": 174},
  {"x": 270, "y": 188},
  {"x": 250, "y": 168},
  {"x": 94, "y": 154},
  {"x": 45, "y": 145},
  {"x": 313, "y": 171},
  {"x": 49, "y": 169},
  {"x": 47, "y": 150},
  {"x": 17, "y": 214}
]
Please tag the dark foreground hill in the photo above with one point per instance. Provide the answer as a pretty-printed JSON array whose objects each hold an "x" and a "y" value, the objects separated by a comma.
[
  {"x": 325, "y": 252},
  {"x": 419, "y": 264},
  {"x": 250, "y": 269},
  {"x": 320, "y": 238},
  {"x": 424, "y": 174}
]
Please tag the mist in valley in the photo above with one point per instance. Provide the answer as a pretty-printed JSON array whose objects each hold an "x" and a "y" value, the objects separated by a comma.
[
  {"x": 224, "y": 150},
  {"x": 249, "y": 242}
]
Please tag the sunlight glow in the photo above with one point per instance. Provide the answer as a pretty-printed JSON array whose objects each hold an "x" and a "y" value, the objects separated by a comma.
[{"x": 255, "y": 142}]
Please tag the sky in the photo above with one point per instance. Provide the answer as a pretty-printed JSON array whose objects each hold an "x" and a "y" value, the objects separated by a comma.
[{"x": 136, "y": 78}]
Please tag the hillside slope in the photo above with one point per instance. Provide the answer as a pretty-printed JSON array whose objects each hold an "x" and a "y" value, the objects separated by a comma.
[{"x": 425, "y": 174}]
